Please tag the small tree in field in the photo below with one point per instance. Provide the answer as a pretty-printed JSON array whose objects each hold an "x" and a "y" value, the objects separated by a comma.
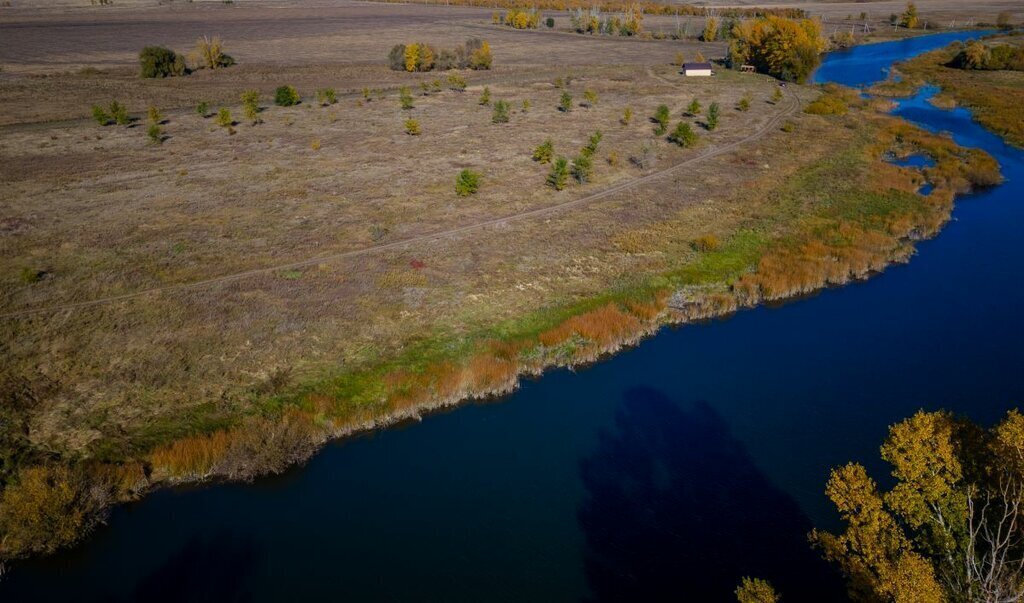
[
  {"x": 693, "y": 108},
  {"x": 744, "y": 103},
  {"x": 412, "y": 127},
  {"x": 286, "y": 96},
  {"x": 500, "y": 115},
  {"x": 157, "y": 61},
  {"x": 683, "y": 135},
  {"x": 251, "y": 105},
  {"x": 485, "y": 96},
  {"x": 209, "y": 53},
  {"x": 559, "y": 175},
  {"x": 590, "y": 97},
  {"x": 224, "y": 119},
  {"x": 100, "y": 115},
  {"x": 154, "y": 115},
  {"x": 405, "y": 97},
  {"x": 627, "y": 116},
  {"x": 326, "y": 96},
  {"x": 456, "y": 83},
  {"x": 713, "y": 114},
  {"x": 203, "y": 109},
  {"x": 156, "y": 135},
  {"x": 467, "y": 183},
  {"x": 582, "y": 165},
  {"x": 565, "y": 103},
  {"x": 544, "y": 152},
  {"x": 119, "y": 113},
  {"x": 661, "y": 117},
  {"x": 777, "y": 96}
]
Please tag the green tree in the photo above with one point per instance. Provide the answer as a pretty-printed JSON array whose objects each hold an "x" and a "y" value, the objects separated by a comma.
[
  {"x": 224, "y": 118},
  {"x": 405, "y": 98},
  {"x": 500, "y": 114},
  {"x": 286, "y": 96},
  {"x": 158, "y": 62},
  {"x": 683, "y": 135},
  {"x": 100, "y": 115},
  {"x": 661, "y": 117},
  {"x": 712, "y": 116},
  {"x": 251, "y": 105},
  {"x": 119, "y": 113},
  {"x": 326, "y": 96},
  {"x": 559, "y": 174},
  {"x": 467, "y": 183},
  {"x": 582, "y": 166},
  {"x": 203, "y": 109},
  {"x": 485, "y": 96},
  {"x": 565, "y": 102},
  {"x": 694, "y": 107},
  {"x": 156, "y": 135},
  {"x": 544, "y": 152}
]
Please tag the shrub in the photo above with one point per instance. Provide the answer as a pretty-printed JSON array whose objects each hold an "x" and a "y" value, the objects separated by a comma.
[
  {"x": 315, "y": 145},
  {"x": 544, "y": 152},
  {"x": 467, "y": 183},
  {"x": 683, "y": 135},
  {"x": 744, "y": 104},
  {"x": 590, "y": 97},
  {"x": 119, "y": 113},
  {"x": 456, "y": 82},
  {"x": 777, "y": 96},
  {"x": 565, "y": 102},
  {"x": 480, "y": 55},
  {"x": 788, "y": 126},
  {"x": 485, "y": 96},
  {"x": 326, "y": 96},
  {"x": 203, "y": 109},
  {"x": 396, "y": 58},
  {"x": 713, "y": 113},
  {"x": 613, "y": 158},
  {"x": 286, "y": 96},
  {"x": 680, "y": 59},
  {"x": 224, "y": 119},
  {"x": 693, "y": 108},
  {"x": 559, "y": 174},
  {"x": 582, "y": 165},
  {"x": 43, "y": 510},
  {"x": 154, "y": 115},
  {"x": 412, "y": 127},
  {"x": 157, "y": 61},
  {"x": 251, "y": 105},
  {"x": 661, "y": 117},
  {"x": 100, "y": 115},
  {"x": 209, "y": 53},
  {"x": 526, "y": 105},
  {"x": 156, "y": 135},
  {"x": 645, "y": 158},
  {"x": 591, "y": 147},
  {"x": 706, "y": 243},
  {"x": 550, "y": 22},
  {"x": 31, "y": 275},
  {"x": 627, "y": 116},
  {"x": 405, "y": 97},
  {"x": 827, "y": 104},
  {"x": 500, "y": 114}
]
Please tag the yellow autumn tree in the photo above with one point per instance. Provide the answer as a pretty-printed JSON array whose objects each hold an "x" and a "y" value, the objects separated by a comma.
[
  {"x": 710, "y": 30},
  {"x": 949, "y": 529},
  {"x": 412, "y": 56},
  {"x": 632, "y": 23},
  {"x": 755, "y": 590},
  {"x": 909, "y": 17},
  {"x": 789, "y": 49}
]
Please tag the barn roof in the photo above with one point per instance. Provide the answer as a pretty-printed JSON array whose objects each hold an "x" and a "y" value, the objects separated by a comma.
[{"x": 696, "y": 66}]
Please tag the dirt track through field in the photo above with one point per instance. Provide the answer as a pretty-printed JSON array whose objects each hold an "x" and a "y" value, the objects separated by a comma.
[{"x": 792, "y": 105}]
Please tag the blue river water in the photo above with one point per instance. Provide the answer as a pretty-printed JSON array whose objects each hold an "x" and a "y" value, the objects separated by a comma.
[{"x": 666, "y": 472}]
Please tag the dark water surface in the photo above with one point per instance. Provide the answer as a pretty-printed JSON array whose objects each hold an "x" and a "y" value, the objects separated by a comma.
[{"x": 664, "y": 473}]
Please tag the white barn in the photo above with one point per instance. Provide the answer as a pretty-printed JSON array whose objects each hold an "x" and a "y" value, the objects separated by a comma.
[{"x": 697, "y": 69}]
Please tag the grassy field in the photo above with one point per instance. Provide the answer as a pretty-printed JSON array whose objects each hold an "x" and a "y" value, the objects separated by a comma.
[{"x": 220, "y": 303}]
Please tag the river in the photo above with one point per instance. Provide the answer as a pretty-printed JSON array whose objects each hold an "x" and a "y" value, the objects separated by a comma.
[{"x": 666, "y": 472}]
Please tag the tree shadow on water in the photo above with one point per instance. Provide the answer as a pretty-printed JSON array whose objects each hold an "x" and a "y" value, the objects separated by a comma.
[
  {"x": 676, "y": 510},
  {"x": 209, "y": 568}
]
